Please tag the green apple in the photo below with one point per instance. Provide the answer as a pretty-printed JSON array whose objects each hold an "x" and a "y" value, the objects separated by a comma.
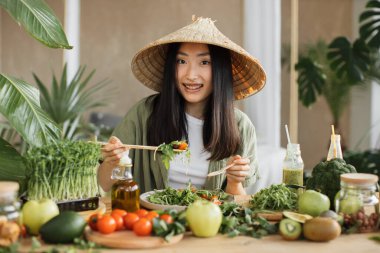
[
  {"x": 204, "y": 218},
  {"x": 313, "y": 203},
  {"x": 36, "y": 213},
  {"x": 349, "y": 205}
]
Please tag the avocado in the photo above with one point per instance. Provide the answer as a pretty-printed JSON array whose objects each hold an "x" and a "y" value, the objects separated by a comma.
[
  {"x": 290, "y": 229},
  {"x": 63, "y": 228}
]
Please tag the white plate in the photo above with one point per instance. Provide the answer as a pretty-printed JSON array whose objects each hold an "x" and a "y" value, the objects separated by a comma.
[{"x": 149, "y": 205}]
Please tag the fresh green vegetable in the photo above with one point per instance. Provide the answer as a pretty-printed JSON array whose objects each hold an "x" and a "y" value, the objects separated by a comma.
[
  {"x": 204, "y": 218},
  {"x": 63, "y": 228},
  {"x": 36, "y": 213},
  {"x": 63, "y": 171},
  {"x": 325, "y": 177},
  {"x": 276, "y": 197},
  {"x": 313, "y": 203},
  {"x": 290, "y": 229},
  {"x": 184, "y": 197},
  {"x": 167, "y": 231},
  {"x": 375, "y": 238},
  {"x": 168, "y": 153},
  {"x": 242, "y": 221}
]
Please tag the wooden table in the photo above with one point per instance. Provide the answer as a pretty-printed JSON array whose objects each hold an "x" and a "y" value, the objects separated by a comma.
[{"x": 355, "y": 243}]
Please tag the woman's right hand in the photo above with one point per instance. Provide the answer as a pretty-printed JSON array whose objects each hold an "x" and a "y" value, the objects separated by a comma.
[{"x": 112, "y": 152}]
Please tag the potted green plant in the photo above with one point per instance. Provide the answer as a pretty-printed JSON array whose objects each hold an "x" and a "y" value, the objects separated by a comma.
[
  {"x": 19, "y": 102},
  {"x": 331, "y": 71}
]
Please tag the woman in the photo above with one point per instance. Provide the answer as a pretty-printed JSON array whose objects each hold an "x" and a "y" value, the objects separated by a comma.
[{"x": 198, "y": 72}]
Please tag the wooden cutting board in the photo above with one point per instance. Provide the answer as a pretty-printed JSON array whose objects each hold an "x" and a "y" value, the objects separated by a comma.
[{"x": 128, "y": 240}]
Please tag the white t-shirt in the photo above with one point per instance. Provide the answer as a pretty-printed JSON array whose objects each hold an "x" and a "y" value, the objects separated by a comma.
[{"x": 181, "y": 171}]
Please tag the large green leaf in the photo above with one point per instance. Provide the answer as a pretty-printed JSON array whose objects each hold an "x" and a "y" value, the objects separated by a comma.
[
  {"x": 38, "y": 20},
  {"x": 370, "y": 24},
  {"x": 20, "y": 104},
  {"x": 310, "y": 80},
  {"x": 11, "y": 163},
  {"x": 349, "y": 61}
]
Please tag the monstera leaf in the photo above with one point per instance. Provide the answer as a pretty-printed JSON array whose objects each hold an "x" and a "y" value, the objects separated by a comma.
[
  {"x": 370, "y": 24},
  {"x": 310, "y": 81},
  {"x": 38, "y": 20},
  {"x": 20, "y": 104},
  {"x": 351, "y": 61},
  {"x": 11, "y": 163}
]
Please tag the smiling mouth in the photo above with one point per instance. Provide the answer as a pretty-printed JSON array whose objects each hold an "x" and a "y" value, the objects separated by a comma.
[{"x": 192, "y": 86}]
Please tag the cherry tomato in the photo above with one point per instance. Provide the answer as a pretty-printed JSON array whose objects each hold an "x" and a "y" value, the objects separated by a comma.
[
  {"x": 106, "y": 224},
  {"x": 120, "y": 212},
  {"x": 182, "y": 146},
  {"x": 119, "y": 221},
  {"x": 151, "y": 215},
  {"x": 167, "y": 218},
  {"x": 130, "y": 219},
  {"x": 23, "y": 232},
  {"x": 93, "y": 221},
  {"x": 143, "y": 227},
  {"x": 141, "y": 213}
]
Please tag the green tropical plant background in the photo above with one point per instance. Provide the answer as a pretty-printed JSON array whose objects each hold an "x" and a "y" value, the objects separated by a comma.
[
  {"x": 332, "y": 70},
  {"x": 20, "y": 101}
]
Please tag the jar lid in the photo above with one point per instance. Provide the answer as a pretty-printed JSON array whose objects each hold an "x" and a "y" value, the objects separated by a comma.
[
  {"x": 359, "y": 178},
  {"x": 8, "y": 186}
]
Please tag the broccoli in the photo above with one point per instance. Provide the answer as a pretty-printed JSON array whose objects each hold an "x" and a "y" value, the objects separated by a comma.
[{"x": 325, "y": 177}]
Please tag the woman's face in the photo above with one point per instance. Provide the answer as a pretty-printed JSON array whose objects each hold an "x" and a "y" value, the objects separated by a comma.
[{"x": 194, "y": 73}]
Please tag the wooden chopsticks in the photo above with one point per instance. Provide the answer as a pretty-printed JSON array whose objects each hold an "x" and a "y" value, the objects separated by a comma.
[
  {"x": 222, "y": 170},
  {"x": 154, "y": 148}
]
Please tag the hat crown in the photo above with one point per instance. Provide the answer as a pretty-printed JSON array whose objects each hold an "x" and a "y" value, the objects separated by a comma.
[{"x": 201, "y": 30}]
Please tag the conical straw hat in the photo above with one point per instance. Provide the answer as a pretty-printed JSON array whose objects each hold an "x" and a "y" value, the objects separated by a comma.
[{"x": 248, "y": 74}]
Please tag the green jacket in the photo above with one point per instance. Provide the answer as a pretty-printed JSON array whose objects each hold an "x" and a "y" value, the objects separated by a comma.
[{"x": 151, "y": 174}]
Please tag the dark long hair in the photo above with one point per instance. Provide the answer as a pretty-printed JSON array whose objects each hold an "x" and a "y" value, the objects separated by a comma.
[{"x": 167, "y": 121}]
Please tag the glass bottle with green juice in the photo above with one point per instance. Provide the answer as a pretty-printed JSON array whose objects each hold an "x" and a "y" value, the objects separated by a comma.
[{"x": 292, "y": 172}]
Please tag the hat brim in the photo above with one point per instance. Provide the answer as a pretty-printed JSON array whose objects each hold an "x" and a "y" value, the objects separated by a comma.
[{"x": 248, "y": 75}]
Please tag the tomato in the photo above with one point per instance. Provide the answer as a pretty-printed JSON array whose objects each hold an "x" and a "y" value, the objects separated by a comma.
[
  {"x": 167, "y": 218},
  {"x": 119, "y": 221},
  {"x": 182, "y": 146},
  {"x": 23, "y": 232},
  {"x": 120, "y": 212},
  {"x": 106, "y": 224},
  {"x": 151, "y": 215},
  {"x": 141, "y": 213},
  {"x": 93, "y": 221},
  {"x": 143, "y": 227},
  {"x": 130, "y": 219},
  {"x": 214, "y": 199}
]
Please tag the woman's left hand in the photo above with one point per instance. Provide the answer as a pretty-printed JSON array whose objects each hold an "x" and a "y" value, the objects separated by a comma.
[{"x": 237, "y": 173}]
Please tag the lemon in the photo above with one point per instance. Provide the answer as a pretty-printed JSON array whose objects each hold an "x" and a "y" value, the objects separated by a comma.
[{"x": 301, "y": 218}]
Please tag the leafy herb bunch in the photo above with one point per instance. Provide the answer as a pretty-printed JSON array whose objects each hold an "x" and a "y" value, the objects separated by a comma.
[
  {"x": 168, "y": 151},
  {"x": 184, "y": 197},
  {"x": 168, "y": 230},
  {"x": 275, "y": 197},
  {"x": 238, "y": 220}
]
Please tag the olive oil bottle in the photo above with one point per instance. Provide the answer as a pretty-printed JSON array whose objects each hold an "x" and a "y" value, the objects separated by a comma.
[{"x": 125, "y": 191}]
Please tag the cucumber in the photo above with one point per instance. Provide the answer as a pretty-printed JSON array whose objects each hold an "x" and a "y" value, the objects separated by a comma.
[{"x": 63, "y": 228}]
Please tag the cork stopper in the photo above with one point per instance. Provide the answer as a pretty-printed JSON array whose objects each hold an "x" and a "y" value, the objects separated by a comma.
[
  {"x": 8, "y": 186},
  {"x": 359, "y": 178}
]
